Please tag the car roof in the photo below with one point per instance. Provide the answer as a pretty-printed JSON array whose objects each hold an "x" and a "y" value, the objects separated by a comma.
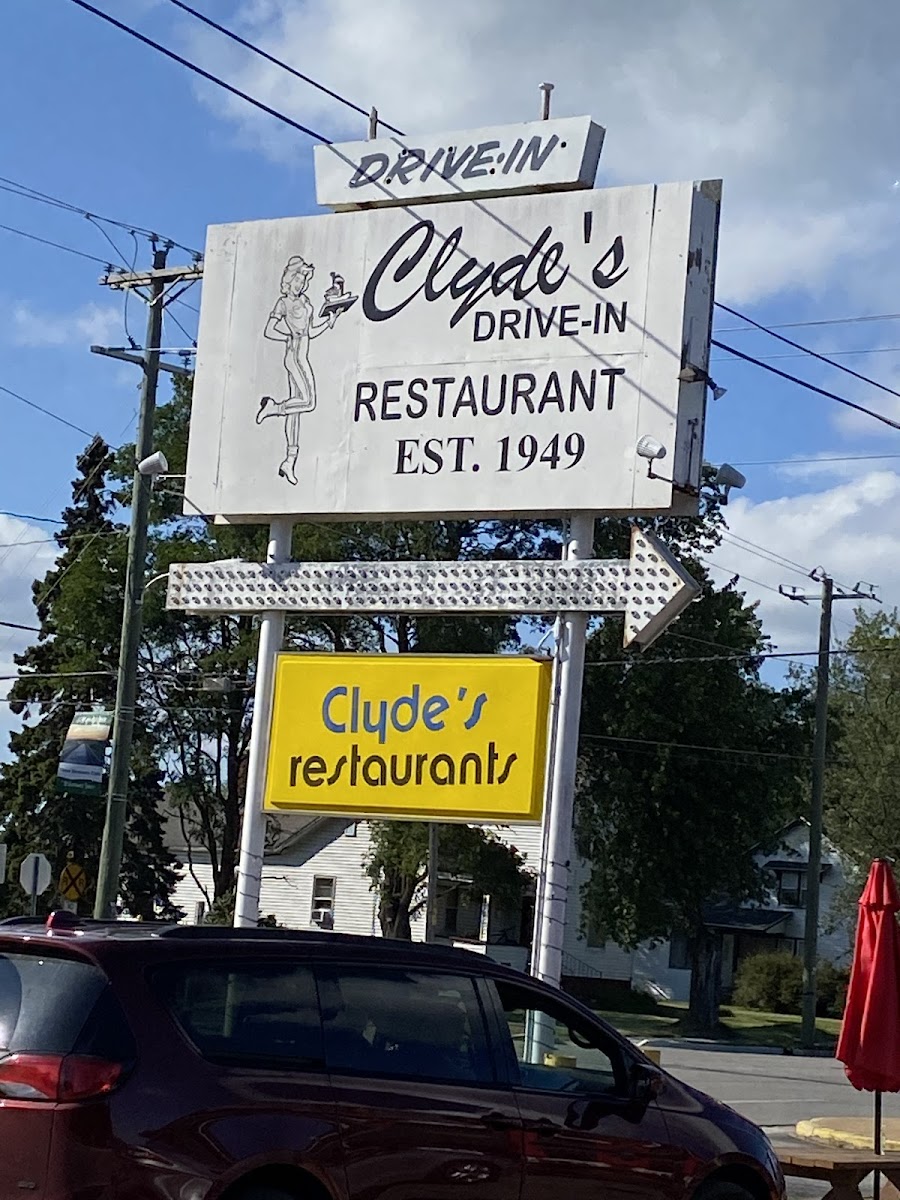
[{"x": 99, "y": 938}]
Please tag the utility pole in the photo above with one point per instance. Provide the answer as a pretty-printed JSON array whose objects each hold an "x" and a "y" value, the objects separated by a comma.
[
  {"x": 155, "y": 281},
  {"x": 817, "y": 793}
]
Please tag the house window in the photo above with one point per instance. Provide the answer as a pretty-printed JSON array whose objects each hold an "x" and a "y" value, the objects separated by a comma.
[
  {"x": 679, "y": 952},
  {"x": 323, "y": 900},
  {"x": 594, "y": 933},
  {"x": 790, "y": 888}
]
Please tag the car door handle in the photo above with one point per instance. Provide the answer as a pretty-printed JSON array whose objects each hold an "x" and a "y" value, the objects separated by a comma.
[
  {"x": 543, "y": 1127},
  {"x": 500, "y": 1122}
]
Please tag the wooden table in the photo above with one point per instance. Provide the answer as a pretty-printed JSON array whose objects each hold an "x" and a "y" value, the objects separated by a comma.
[{"x": 843, "y": 1169}]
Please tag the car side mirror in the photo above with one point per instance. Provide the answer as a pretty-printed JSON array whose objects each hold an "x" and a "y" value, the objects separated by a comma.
[{"x": 645, "y": 1082}]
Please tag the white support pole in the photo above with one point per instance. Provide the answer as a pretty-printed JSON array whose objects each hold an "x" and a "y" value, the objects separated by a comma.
[
  {"x": 553, "y": 895},
  {"x": 253, "y": 830}
]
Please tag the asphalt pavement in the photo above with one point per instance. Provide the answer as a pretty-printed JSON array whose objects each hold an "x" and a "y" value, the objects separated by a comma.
[{"x": 775, "y": 1090}]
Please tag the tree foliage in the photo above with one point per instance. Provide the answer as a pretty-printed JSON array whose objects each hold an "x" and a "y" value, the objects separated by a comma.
[
  {"x": 686, "y": 765},
  {"x": 398, "y": 868},
  {"x": 70, "y": 667},
  {"x": 862, "y": 786}
]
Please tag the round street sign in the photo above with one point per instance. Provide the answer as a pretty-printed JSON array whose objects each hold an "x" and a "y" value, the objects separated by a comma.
[
  {"x": 34, "y": 874},
  {"x": 73, "y": 882}
]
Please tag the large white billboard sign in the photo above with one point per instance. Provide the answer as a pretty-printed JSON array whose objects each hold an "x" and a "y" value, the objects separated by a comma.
[
  {"x": 490, "y": 358},
  {"x": 477, "y": 162}
]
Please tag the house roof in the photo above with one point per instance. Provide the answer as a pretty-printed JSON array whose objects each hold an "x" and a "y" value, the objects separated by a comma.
[
  {"x": 284, "y": 831},
  {"x": 734, "y": 919}
]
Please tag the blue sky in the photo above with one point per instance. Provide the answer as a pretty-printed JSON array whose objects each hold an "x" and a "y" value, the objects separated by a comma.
[{"x": 793, "y": 109}]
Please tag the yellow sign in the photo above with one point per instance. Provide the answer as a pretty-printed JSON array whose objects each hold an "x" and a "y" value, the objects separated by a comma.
[
  {"x": 73, "y": 882},
  {"x": 403, "y": 735}
]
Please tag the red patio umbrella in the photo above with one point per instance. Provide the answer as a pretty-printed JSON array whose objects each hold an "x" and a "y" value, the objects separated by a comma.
[{"x": 869, "y": 1045}]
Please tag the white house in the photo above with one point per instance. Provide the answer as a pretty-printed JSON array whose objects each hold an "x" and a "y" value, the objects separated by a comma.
[
  {"x": 314, "y": 877},
  {"x": 778, "y": 924}
]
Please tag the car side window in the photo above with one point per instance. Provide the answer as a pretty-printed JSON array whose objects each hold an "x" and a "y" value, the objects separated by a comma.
[
  {"x": 556, "y": 1049},
  {"x": 264, "y": 1014},
  {"x": 404, "y": 1023}
]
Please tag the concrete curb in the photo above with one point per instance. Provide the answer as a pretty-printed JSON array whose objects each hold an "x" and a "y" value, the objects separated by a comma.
[{"x": 855, "y": 1133}]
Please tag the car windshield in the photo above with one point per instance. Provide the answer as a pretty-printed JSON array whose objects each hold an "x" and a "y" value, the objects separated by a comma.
[{"x": 45, "y": 1001}]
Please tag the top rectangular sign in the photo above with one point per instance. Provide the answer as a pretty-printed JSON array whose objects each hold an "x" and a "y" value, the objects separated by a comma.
[
  {"x": 496, "y": 358},
  {"x": 498, "y": 160}
]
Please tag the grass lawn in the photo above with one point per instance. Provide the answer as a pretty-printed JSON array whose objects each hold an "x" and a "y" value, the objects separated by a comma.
[{"x": 742, "y": 1026}]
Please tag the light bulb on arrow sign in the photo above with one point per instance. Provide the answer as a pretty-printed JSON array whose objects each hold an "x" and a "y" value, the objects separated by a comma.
[{"x": 650, "y": 587}]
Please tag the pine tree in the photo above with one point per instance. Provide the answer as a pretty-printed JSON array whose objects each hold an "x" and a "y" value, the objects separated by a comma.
[{"x": 72, "y": 667}]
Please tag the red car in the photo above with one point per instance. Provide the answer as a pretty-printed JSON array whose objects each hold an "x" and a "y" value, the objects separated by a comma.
[{"x": 148, "y": 1062}]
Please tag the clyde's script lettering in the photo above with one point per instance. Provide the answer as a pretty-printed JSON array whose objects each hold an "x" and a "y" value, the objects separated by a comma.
[{"x": 422, "y": 263}]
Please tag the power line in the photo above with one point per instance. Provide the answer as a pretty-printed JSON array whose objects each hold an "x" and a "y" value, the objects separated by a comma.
[
  {"x": 192, "y": 66},
  {"x": 772, "y": 556},
  {"x": 738, "y": 656},
  {"x": 786, "y": 462},
  {"x": 740, "y": 575},
  {"x": 16, "y": 625},
  {"x": 602, "y": 737},
  {"x": 33, "y": 237},
  {"x": 61, "y": 539},
  {"x": 25, "y": 516},
  {"x": 806, "y": 350},
  {"x": 190, "y": 337},
  {"x": 46, "y": 411},
  {"x": 24, "y": 192},
  {"x": 229, "y": 33},
  {"x": 54, "y": 675},
  {"x": 810, "y": 324},
  {"x": 804, "y": 384},
  {"x": 830, "y": 353}
]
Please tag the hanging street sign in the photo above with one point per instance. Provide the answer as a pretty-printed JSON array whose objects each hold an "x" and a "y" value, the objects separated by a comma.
[
  {"x": 35, "y": 874},
  {"x": 82, "y": 762},
  {"x": 502, "y": 159},
  {"x": 437, "y": 737},
  {"x": 651, "y": 587},
  {"x": 496, "y": 358}
]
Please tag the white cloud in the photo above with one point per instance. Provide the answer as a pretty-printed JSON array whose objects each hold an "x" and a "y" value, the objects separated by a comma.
[
  {"x": 850, "y": 529},
  {"x": 789, "y": 103},
  {"x": 88, "y": 325}
]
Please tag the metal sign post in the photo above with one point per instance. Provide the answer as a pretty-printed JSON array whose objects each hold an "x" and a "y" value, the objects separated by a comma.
[
  {"x": 34, "y": 877},
  {"x": 253, "y": 830},
  {"x": 550, "y": 911}
]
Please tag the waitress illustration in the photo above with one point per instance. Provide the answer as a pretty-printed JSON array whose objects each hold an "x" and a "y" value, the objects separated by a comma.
[{"x": 294, "y": 322}]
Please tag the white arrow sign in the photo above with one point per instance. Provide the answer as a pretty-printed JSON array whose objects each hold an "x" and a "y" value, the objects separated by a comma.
[
  {"x": 651, "y": 588},
  {"x": 34, "y": 874}
]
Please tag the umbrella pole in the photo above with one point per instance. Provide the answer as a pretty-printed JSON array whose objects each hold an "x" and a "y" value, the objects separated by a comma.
[{"x": 876, "y": 1141}]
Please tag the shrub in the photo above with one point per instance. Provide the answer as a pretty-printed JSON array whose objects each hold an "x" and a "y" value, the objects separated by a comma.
[
  {"x": 831, "y": 989},
  {"x": 773, "y": 982},
  {"x": 770, "y": 982}
]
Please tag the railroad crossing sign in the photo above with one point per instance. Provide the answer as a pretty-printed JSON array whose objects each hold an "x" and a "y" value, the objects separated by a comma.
[
  {"x": 34, "y": 874},
  {"x": 73, "y": 882}
]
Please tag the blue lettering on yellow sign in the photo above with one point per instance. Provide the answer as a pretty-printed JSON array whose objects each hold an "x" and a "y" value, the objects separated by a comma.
[{"x": 344, "y": 710}]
